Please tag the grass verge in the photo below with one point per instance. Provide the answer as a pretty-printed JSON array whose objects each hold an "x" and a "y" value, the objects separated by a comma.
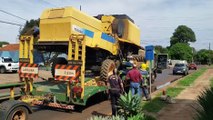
[
  {"x": 211, "y": 80},
  {"x": 188, "y": 80},
  {"x": 156, "y": 104}
]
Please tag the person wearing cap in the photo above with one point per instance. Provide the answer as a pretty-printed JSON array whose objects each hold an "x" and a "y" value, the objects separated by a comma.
[{"x": 135, "y": 79}]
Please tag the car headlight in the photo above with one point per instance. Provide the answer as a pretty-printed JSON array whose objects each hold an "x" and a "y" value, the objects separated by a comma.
[{"x": 184, "y": 69}]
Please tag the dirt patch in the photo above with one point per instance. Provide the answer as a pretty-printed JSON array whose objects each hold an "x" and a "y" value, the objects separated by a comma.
[{"x": 183, "y": 109}]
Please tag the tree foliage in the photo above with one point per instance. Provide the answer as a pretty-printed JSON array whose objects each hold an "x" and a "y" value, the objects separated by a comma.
[
  {"x": 160, "y": 49},
  {"x": 29, "y": 26},
  {"x": 182, "y": 34},
  {"x": 204, "y": 56},
  {"x": 3, "y": 43},
  {"x": 181, "y": 51}
]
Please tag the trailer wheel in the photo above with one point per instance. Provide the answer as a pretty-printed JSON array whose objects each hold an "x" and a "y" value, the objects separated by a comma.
[
  {"x": 59, "y": 60},
  {"x": 107, "y": 66},
  {"x": 19, "y": 113},
  {"x": 2, "y": 69},
  {"x": 14, "y": 110}
]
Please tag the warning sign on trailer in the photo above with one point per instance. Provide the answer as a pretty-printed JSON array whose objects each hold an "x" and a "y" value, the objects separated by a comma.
[
  {"x": 64, "y": 72},
  {"x": 27, "y": 70},
  {"x": 67, "y": 72}
]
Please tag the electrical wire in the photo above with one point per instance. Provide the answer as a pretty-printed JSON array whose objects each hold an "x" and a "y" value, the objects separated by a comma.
[
  {"x": 49, "y": 3},
  {"x": 13, "y": 15},
  {"x": 10, "y": 23}
]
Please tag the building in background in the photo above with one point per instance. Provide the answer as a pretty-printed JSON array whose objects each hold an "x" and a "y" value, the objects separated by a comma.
[{"x": 12, "y": 51}]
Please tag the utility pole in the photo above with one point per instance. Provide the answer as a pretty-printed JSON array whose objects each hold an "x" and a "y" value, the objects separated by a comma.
[{"x": 209, "y": 54}]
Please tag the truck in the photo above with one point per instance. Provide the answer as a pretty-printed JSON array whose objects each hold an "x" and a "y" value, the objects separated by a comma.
[
  {"x": 8, "y": 65},
  {"x": 94, "y": 46},
  {"x": 162, "y": 61}
]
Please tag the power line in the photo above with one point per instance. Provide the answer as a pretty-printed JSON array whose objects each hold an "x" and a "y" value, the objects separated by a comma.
[
  {"x": 10, "y": 23},
  {"x": 49, "y": 3},
  {"x": 13, "y": 15}
]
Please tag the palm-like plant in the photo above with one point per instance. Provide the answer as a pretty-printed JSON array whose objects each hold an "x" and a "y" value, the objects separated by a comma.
[
  {"x": 205, "y": 109},
  {"x": 129, "y": 105}
]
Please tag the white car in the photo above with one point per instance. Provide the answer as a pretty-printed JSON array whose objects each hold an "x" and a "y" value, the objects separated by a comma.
[{"x": 8, "y": 65}]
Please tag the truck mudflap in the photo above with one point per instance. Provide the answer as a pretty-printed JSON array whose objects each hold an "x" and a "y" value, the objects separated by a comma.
[
  {"x": 54, "y": 105},
  {"x": 12, "y": 109}
]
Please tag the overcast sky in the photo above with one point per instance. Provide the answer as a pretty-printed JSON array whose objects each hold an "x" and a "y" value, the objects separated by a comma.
[{"x": 157, "y": 19}]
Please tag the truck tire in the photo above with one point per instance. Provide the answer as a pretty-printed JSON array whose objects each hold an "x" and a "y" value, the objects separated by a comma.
[
  {"x": 107, "y": 66},
  {"x": 14, "y": 110},
  {"x": 2, "y": 69},
  {"x": 138, "y": 58},
  {"x": 59, "y": 60}
]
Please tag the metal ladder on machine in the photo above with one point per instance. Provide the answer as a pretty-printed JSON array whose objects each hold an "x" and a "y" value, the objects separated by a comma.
[
  {"x": 76, "y": 56},
  {"x": 27, "y": 69}
]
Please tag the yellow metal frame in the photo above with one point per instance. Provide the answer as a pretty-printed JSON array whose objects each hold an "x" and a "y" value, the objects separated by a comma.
[
  {"x": 26, "y": 51},
  {"x": 76, "y": 45},
  {"x": 26, "y": 47}
]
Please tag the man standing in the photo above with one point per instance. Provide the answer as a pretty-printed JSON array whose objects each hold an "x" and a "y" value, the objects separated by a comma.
[
  {"x": 115, "y": 85},
  {"x": 135, "y": 79},
  {"x": 144, "y": 83}
]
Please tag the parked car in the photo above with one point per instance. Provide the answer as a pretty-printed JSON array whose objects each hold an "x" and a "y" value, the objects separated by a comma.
[
  {"x": 192, "y": 66},
  {"x": 180, "y": 68},
  {"x": 8, "y": 65}
]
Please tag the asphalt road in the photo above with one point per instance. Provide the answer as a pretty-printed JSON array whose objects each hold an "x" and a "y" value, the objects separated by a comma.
[{"x": 167, "y": 76}]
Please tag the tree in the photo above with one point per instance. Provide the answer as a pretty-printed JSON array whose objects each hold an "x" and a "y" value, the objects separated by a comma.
[
  {"x": 203, "y": 56},
  {"x": 3, "y": 43},
  {"x": 181, "y": 51},
  {"x": 160, "y": 49},
  {"x": 182, "y": 34},
  {"x": 29, "y": 27}
]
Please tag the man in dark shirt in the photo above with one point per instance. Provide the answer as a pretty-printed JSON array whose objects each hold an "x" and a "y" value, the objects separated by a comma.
[
  {"x": 135, "y": 79},
  {"x": 115, "y": 85}
]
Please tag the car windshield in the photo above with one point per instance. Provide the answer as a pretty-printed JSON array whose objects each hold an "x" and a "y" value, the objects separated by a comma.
[
  {"x": 8, "y": 60},
  {"x": 179, "y": 65}
]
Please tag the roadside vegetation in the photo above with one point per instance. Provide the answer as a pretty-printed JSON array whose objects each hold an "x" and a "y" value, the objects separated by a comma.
[
  {"x": 205, "y": 102},
  {"x": 129, "y": 109},
  {"x": 156, "y": 104},
  {"x": 188, "y": 80}
]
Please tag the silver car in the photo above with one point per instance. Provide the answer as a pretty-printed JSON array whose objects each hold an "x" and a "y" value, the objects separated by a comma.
[{"x": 180, "y": 68}]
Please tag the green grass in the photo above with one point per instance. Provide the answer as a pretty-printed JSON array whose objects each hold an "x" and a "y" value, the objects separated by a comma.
[
  {"x": 211, "y": 80},
  {"x": 156, "y": 104},
  {"x": 188, "y": 80},
  {"x": 173, "y": 92}
]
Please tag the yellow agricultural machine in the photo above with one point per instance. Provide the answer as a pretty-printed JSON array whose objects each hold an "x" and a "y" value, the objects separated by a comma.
[{"x": 93, "y": 45}]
